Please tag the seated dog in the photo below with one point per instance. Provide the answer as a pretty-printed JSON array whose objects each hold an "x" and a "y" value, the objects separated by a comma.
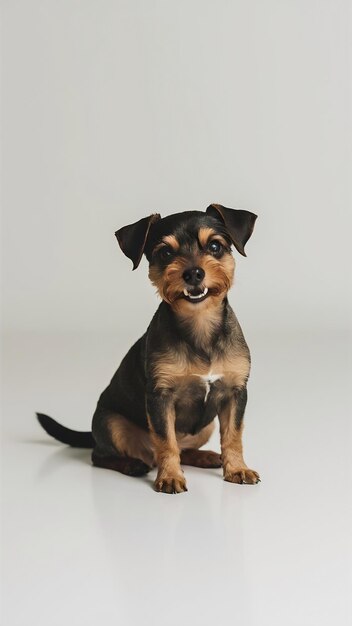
[{"x": 191, "y": 365}]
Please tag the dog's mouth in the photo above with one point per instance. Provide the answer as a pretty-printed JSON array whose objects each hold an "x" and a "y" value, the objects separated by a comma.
[{"x": 195, "y": 294}]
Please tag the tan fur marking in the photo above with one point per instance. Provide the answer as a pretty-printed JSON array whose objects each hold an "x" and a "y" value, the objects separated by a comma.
[
  {"x": 173, "y": 369},
  {"x": 130, "y": 440},
  {"x": 204, "y": 235},
  {"x": 228, "y": 266},
  {"x": 156, "y": 277},
  {"x": 168, "y": 240},
  {"x": 169, "y": 282},
  {"x": 221, "y": 239},
  {"x": 231, "y": 439},
  {"x": 170, "y": 368},
  {"x": 171, "y": 240},
  {"x": 234, "y": 368},
  {"x": 201, "y": 322},
  {"x": 219, "y": 273}
]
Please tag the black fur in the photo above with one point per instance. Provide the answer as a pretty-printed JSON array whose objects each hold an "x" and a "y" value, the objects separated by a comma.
[
  {"x": 65, "y": 435},
  {"x": 241, "y": 402}
]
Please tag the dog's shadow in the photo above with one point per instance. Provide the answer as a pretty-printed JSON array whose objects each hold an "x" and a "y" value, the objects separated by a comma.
[{"x": 59, "y": 455}]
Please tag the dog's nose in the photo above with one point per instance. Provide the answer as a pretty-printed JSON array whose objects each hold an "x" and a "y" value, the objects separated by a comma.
[{"x": 193, "y": 276}]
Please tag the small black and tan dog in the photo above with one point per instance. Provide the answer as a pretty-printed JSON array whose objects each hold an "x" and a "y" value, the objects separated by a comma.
[{"x": 191, "y": 365}]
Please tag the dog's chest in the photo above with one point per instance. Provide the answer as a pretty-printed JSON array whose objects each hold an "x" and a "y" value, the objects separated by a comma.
[
  {"x": 211, "y": 381},
  {"x": 200, "y": 387},
  {"x": 230, "y": 370},
  {"x": 208, "y": 380},
  {"x": 198, "y": 398}
]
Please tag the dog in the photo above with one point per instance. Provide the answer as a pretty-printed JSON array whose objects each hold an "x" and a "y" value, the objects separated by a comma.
[{"x": 191, "y": 365}]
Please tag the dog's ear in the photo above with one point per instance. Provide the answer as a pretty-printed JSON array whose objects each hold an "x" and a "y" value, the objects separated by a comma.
[
  {"x": 132, "y": 238},
  {"x": 238, "y": 223}
]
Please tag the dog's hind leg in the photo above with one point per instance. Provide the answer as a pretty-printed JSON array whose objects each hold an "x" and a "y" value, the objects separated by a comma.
[
  {"x": 190, "y": 453},
  {"x": 200, "y": 458},
  {"x": 121, "y": 445},
  {"x": 121, "y": 463}
]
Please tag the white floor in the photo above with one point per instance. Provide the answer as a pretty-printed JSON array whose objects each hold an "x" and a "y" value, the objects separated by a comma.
[{"x": 85, "y": 546}]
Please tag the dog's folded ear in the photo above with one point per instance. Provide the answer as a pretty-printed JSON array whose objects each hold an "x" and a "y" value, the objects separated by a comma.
[
  {"x": 238, "y": 223},
  {"x": 132, "y": 238}
]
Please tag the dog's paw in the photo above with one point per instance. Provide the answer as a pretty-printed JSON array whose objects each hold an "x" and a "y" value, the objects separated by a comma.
[
  {"x": 242, "y": 475},
  {"x": 136, "y": 467},
  {"x": 170, "y": 484},
  {"x": 200, "y": 458}
]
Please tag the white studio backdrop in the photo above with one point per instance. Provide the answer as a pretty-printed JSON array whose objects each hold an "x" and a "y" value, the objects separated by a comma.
[{"x": 113, "y": 110}]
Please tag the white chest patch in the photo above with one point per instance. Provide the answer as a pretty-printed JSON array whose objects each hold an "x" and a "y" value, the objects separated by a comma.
[{"x": 208, "y": 379}]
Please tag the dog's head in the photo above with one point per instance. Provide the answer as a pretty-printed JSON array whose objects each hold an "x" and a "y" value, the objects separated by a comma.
[{"x": 189, "y": 254}]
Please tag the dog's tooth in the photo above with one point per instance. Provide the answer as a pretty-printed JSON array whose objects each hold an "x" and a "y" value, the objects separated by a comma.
[{"x": 197, "y": 297}]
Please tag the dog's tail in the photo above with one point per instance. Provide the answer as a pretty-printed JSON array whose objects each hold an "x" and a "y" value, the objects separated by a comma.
[{"x": 72, "y": 438}]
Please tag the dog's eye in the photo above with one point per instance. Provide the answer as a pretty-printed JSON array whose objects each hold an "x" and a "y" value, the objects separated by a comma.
[
  {"x": 166, "y": 253},
  {"x": 215, "y": 247}
]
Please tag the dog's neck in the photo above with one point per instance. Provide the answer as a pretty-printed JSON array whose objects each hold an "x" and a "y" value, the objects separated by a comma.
[{"x": 202, "y": 325}]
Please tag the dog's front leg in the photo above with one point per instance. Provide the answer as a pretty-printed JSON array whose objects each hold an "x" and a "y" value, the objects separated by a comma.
[
  {"x": 231, "y": 427},
  {"x": 161, "y": 418}
]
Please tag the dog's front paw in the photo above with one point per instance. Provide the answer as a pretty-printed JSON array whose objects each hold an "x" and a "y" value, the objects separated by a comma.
[
  {"x": 242, "y": 475},
  {"x": 170, "y": 484}
]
